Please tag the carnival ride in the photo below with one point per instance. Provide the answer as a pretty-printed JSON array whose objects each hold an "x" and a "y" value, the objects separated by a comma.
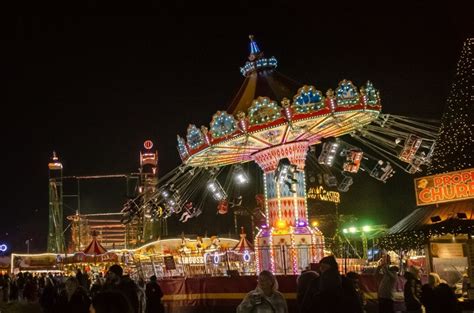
[
  {"x": 276, "y": 122},
  {"x": 107, "y": 223}
]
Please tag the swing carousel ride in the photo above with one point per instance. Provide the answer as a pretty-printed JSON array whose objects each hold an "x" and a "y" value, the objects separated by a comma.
[{"x": 277, "y": 123}]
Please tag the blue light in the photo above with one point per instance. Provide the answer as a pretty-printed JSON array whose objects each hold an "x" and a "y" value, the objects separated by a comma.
[
  {"x": 253, "y": 47},
  {"x": 246, "y": 256},
  {"x": 3, "y": 247},
  {"x": 216, "y": 259}
]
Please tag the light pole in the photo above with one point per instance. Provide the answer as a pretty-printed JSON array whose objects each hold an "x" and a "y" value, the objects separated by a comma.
[{"x": 364, "y": 232}]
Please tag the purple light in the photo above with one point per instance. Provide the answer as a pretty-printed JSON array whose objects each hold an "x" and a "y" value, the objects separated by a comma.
[
  {"x": 301, "y": 223},
  {"x": 264, "y": 226}
]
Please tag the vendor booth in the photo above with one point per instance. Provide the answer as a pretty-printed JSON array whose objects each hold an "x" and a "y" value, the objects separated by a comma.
[{"x": 437, "y": 234}]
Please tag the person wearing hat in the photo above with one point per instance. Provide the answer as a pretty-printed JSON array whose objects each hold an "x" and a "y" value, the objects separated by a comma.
[
  {"x": 116, "y": 281},
  {"x": 307, "y": 291},
  {"x": 153, "y": 296},
  {"x": 330, "y": 285}
]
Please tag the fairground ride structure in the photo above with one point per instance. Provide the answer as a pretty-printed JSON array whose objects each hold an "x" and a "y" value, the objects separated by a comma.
[{"x": 275, "y": 121}]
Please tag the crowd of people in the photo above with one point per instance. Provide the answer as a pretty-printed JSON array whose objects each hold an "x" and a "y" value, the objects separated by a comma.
[
  {"x": 436, "y": 296},
  {"x": 114, "y": 293},
  {"x": 327, "y": 291},
  {"x": 323, "y": 290}
]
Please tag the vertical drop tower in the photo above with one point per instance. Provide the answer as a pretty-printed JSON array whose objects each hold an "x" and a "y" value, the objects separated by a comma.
[{"x": 55, "y": 231}]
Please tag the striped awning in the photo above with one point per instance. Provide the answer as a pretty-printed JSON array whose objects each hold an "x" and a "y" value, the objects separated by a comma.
[
  {"x": 95, "y": 248},
  {"x": 243, "y": 244}
]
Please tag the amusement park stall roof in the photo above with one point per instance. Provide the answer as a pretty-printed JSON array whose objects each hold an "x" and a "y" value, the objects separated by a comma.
[{"x": 421, "y": 217}]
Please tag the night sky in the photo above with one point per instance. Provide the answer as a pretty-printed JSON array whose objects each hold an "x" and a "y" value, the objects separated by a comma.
[{"x": 94, "y": 88}]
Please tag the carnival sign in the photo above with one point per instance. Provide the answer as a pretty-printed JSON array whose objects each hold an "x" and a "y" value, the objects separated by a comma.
[
  {"x": 319, "y": 193},
  {"x": 452, "y": 186}
]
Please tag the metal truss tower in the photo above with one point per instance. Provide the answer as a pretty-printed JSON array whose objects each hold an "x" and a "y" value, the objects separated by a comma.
[{"x": 55, "y": 231}]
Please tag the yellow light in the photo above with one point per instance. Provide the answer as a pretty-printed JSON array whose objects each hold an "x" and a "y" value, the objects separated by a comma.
[
  {"x": 352, "y": 229},
  {"x": 281, "y": 224},
  {"x": 315, "y": 223},
  {"x": 366, "y": 229}
]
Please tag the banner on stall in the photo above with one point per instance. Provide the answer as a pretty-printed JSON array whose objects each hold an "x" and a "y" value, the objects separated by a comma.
[
  {"x": 169, "y": 262},
  {"x": 447, "y": 187},
  {"x": 447, "y": 250}
]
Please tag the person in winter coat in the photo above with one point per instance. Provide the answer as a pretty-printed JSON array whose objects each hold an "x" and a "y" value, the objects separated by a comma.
[
  {"x": 330, "y": 286},
  {"x": 48, "y": 297},
  {"x": 265, "y": 298},
  {"x": 386, "y": 285},
  {"x": 412, "y": 290},
  {"x": 307, "y": 291},
  {"x": 153, "y": 296},
  {"x": 115, "y": 280},
  {"x": 111, "y": 301},
  {"x": 428, "y": 298},
  {"x": 352, "y": 297},
  {"x": 73, "y": 299},
  {"x": 445, "y": 300}
]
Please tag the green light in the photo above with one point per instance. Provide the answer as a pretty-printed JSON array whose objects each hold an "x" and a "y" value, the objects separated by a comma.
[
  {"x": 366, "y": 229},
  {"x": 352, "y": 229},
  {"x": 345, "y": 231}
]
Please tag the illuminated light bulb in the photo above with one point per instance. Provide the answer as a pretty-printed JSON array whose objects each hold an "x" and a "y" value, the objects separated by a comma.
[{"x": 281, "y": 224}]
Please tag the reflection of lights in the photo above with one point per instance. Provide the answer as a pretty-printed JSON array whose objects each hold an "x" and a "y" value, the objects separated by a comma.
[{"x": 246, "y": 256}]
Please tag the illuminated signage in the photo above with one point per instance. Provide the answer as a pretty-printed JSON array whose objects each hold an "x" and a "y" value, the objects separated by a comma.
[
  {"x": 452, "y": 186},
  {"x": 191, "y": 260},
  {"x": 319, "y": 193},
  {"x": 148, "y": 144}
]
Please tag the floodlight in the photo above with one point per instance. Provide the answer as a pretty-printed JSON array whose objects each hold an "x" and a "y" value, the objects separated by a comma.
[
  {"x": 216, "y": 189},
  {"x": 240, "y": 175}
]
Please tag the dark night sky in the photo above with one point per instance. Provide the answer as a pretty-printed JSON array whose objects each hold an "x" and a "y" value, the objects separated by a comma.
[{"x": 94, "y": 88}]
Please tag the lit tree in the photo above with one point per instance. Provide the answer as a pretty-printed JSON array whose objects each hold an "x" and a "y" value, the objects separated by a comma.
[{"x": 455, "y": 141}]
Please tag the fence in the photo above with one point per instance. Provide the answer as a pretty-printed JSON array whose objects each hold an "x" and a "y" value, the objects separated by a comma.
[{"x": 286, "y": 260}]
